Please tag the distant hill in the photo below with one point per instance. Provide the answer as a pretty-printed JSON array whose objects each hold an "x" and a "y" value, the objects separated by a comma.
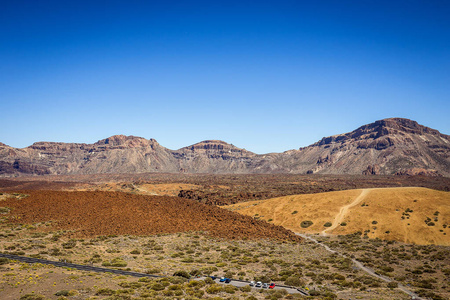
[
  {"x": 411, "y": 215},
  {"x": 389, "y": 146}
]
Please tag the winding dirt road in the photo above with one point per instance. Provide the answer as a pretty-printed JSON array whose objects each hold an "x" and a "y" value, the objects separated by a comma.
[
  {"x": 336, "y": 222},
  {"x": 344, "y": 209}
]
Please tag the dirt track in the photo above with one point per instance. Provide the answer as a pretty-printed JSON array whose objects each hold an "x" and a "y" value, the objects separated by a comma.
[
  {"x": 117, "y": 213},
  {"x": 344, "y": 209}
]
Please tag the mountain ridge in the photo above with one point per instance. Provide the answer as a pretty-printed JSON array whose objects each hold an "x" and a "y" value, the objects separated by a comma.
[{"x": 388, "y": 146}]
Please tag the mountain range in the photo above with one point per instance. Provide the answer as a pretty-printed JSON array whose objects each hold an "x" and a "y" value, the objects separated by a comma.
[{"x": 386, "y": 147}]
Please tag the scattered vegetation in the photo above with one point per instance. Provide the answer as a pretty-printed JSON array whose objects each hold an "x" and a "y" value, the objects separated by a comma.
[{"x": 306, "y": 224}]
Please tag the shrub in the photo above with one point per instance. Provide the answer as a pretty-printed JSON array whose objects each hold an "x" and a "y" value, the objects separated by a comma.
[
  {"x": 3, "y": 260},
  {"x": 293, "y": 281},
  {"x": 214, "y": 289},
  {"x": 69, "y": 245},
  {"x": 230, "y": 289},
  {"x": 157, "y": 287},
  {"x": 182, "y": 274},
  {"x": 246, "y": 289},
  {"x": 208, "y": 280},
  {"x": 327, "y": 224},
  {"x": 306, "y": 224},
  {"x": 32, "y": 297},
  {"x": 116, "y": 262},
  {"x": 392, "y": 285},
  {"x": 105, "y": 291},
  {"x": 4, "y": 210},
  {"x": 135, "y": 251},
  {"x": 153, "y": 271},
  {"x": 294, "y": 212},
  {"x": 374, "y": 222},
  {"x": 343, "y": 224}
]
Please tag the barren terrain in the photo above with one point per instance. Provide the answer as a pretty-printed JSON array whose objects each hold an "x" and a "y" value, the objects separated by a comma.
[
  {"x": 412, "y": 215},
  {"x": 117, "y": 221},
  {"x": 88, "y": 214}
]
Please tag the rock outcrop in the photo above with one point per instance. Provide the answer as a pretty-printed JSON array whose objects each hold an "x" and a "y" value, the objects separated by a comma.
[{"x": 389, "y": 146}]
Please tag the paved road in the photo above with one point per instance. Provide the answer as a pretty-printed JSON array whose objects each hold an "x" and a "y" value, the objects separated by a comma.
[
  {"x": 31, "y": 260},
  {"x": 364, "y": 268},
  {"x": 76, "y": 266},
  {"x": 241, "y": 283}
]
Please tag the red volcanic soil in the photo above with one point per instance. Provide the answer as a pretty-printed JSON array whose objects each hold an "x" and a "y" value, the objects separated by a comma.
[{"x": 106, "y": 213}]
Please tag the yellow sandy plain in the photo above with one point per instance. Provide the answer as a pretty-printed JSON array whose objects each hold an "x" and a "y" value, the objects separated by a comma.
[{"x": 359, "y": 209}]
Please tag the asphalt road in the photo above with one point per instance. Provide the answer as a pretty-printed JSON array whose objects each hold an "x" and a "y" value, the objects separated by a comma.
[
  {"x": 241, "y": 283},
  {"x": 31, "y": 260}
]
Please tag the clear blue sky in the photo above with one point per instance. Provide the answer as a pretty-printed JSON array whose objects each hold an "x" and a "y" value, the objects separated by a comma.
[{"x": 267, "y": 76}]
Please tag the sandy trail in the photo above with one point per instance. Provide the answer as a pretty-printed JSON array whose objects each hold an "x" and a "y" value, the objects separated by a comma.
[{"x": 344, "y": 209}]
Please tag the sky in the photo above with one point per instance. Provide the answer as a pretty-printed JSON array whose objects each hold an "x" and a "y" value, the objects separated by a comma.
[{"x": 267, "y": 76}]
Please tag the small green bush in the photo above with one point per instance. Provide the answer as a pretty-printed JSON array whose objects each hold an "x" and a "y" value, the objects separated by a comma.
[
  {"x": 306, "y": 224},
  {"x": 343, "y": 224},
  {"x": 105, "y": 292},
  {"x": 214, "y": 289},
  {"x": 69, "y": 245},
  {"x": 392, "y": 285},
  {"x": 157, "y": 287},
  {"x": 327, "y": 224},
  {"x": 182, "y": 274},
  {"x": 294, "y": 281}
]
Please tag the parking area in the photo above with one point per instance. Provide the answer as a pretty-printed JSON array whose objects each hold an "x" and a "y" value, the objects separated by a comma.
[{"x": 241, "y": 283}]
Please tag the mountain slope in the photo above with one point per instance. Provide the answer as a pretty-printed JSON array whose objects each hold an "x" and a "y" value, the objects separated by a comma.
[{"x": 389, "y": 146}]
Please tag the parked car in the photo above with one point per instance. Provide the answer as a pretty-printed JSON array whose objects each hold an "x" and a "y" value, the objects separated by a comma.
[
  {"x": 272, "y": 285},
  {"x": 258, "y": 284},
  {"x": 252, "y": 283},
  {"x": 227, "y": 280},
  {"x": 213, "y": 277},
  {"x": 222, "y": 279},
  {"x": 265, "y": 285}
]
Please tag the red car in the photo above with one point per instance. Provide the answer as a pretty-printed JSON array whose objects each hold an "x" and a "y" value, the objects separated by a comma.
[{"x": 272, "y": 285}]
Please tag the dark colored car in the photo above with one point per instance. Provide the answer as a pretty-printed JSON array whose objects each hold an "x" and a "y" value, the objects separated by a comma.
[
  {"x": 213, "y": 277},
  {"x": 227, "y": 280},
  {"x": 272, "y": 285}
]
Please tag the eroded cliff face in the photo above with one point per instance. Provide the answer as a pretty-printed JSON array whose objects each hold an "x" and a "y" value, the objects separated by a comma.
[
  {"x": 387, "y": 146},
  {"x": 390, "y": 146}
]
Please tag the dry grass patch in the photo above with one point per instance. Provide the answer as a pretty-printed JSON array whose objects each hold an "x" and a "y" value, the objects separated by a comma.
[{"x": 412, "y": 215}]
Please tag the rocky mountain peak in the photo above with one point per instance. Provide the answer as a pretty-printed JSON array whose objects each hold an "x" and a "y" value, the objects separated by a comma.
[
  {"x": 124, "y": 141},
  {"x": 398, "y": 125},
  {"x": 211, "y": 145},
  {"x": 381, "y": 128},
  {"x": 389, "y": 146}
]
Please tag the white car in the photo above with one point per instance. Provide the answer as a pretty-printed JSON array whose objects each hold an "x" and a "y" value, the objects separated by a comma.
[
  {"x": 258, "y": 284},
  {"x": 265, "y": 285},
  {"x": 252, "y": 283}
]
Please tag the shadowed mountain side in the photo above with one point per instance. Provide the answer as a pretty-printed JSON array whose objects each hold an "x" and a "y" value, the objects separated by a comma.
[{"x": 390, "y": 146}]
